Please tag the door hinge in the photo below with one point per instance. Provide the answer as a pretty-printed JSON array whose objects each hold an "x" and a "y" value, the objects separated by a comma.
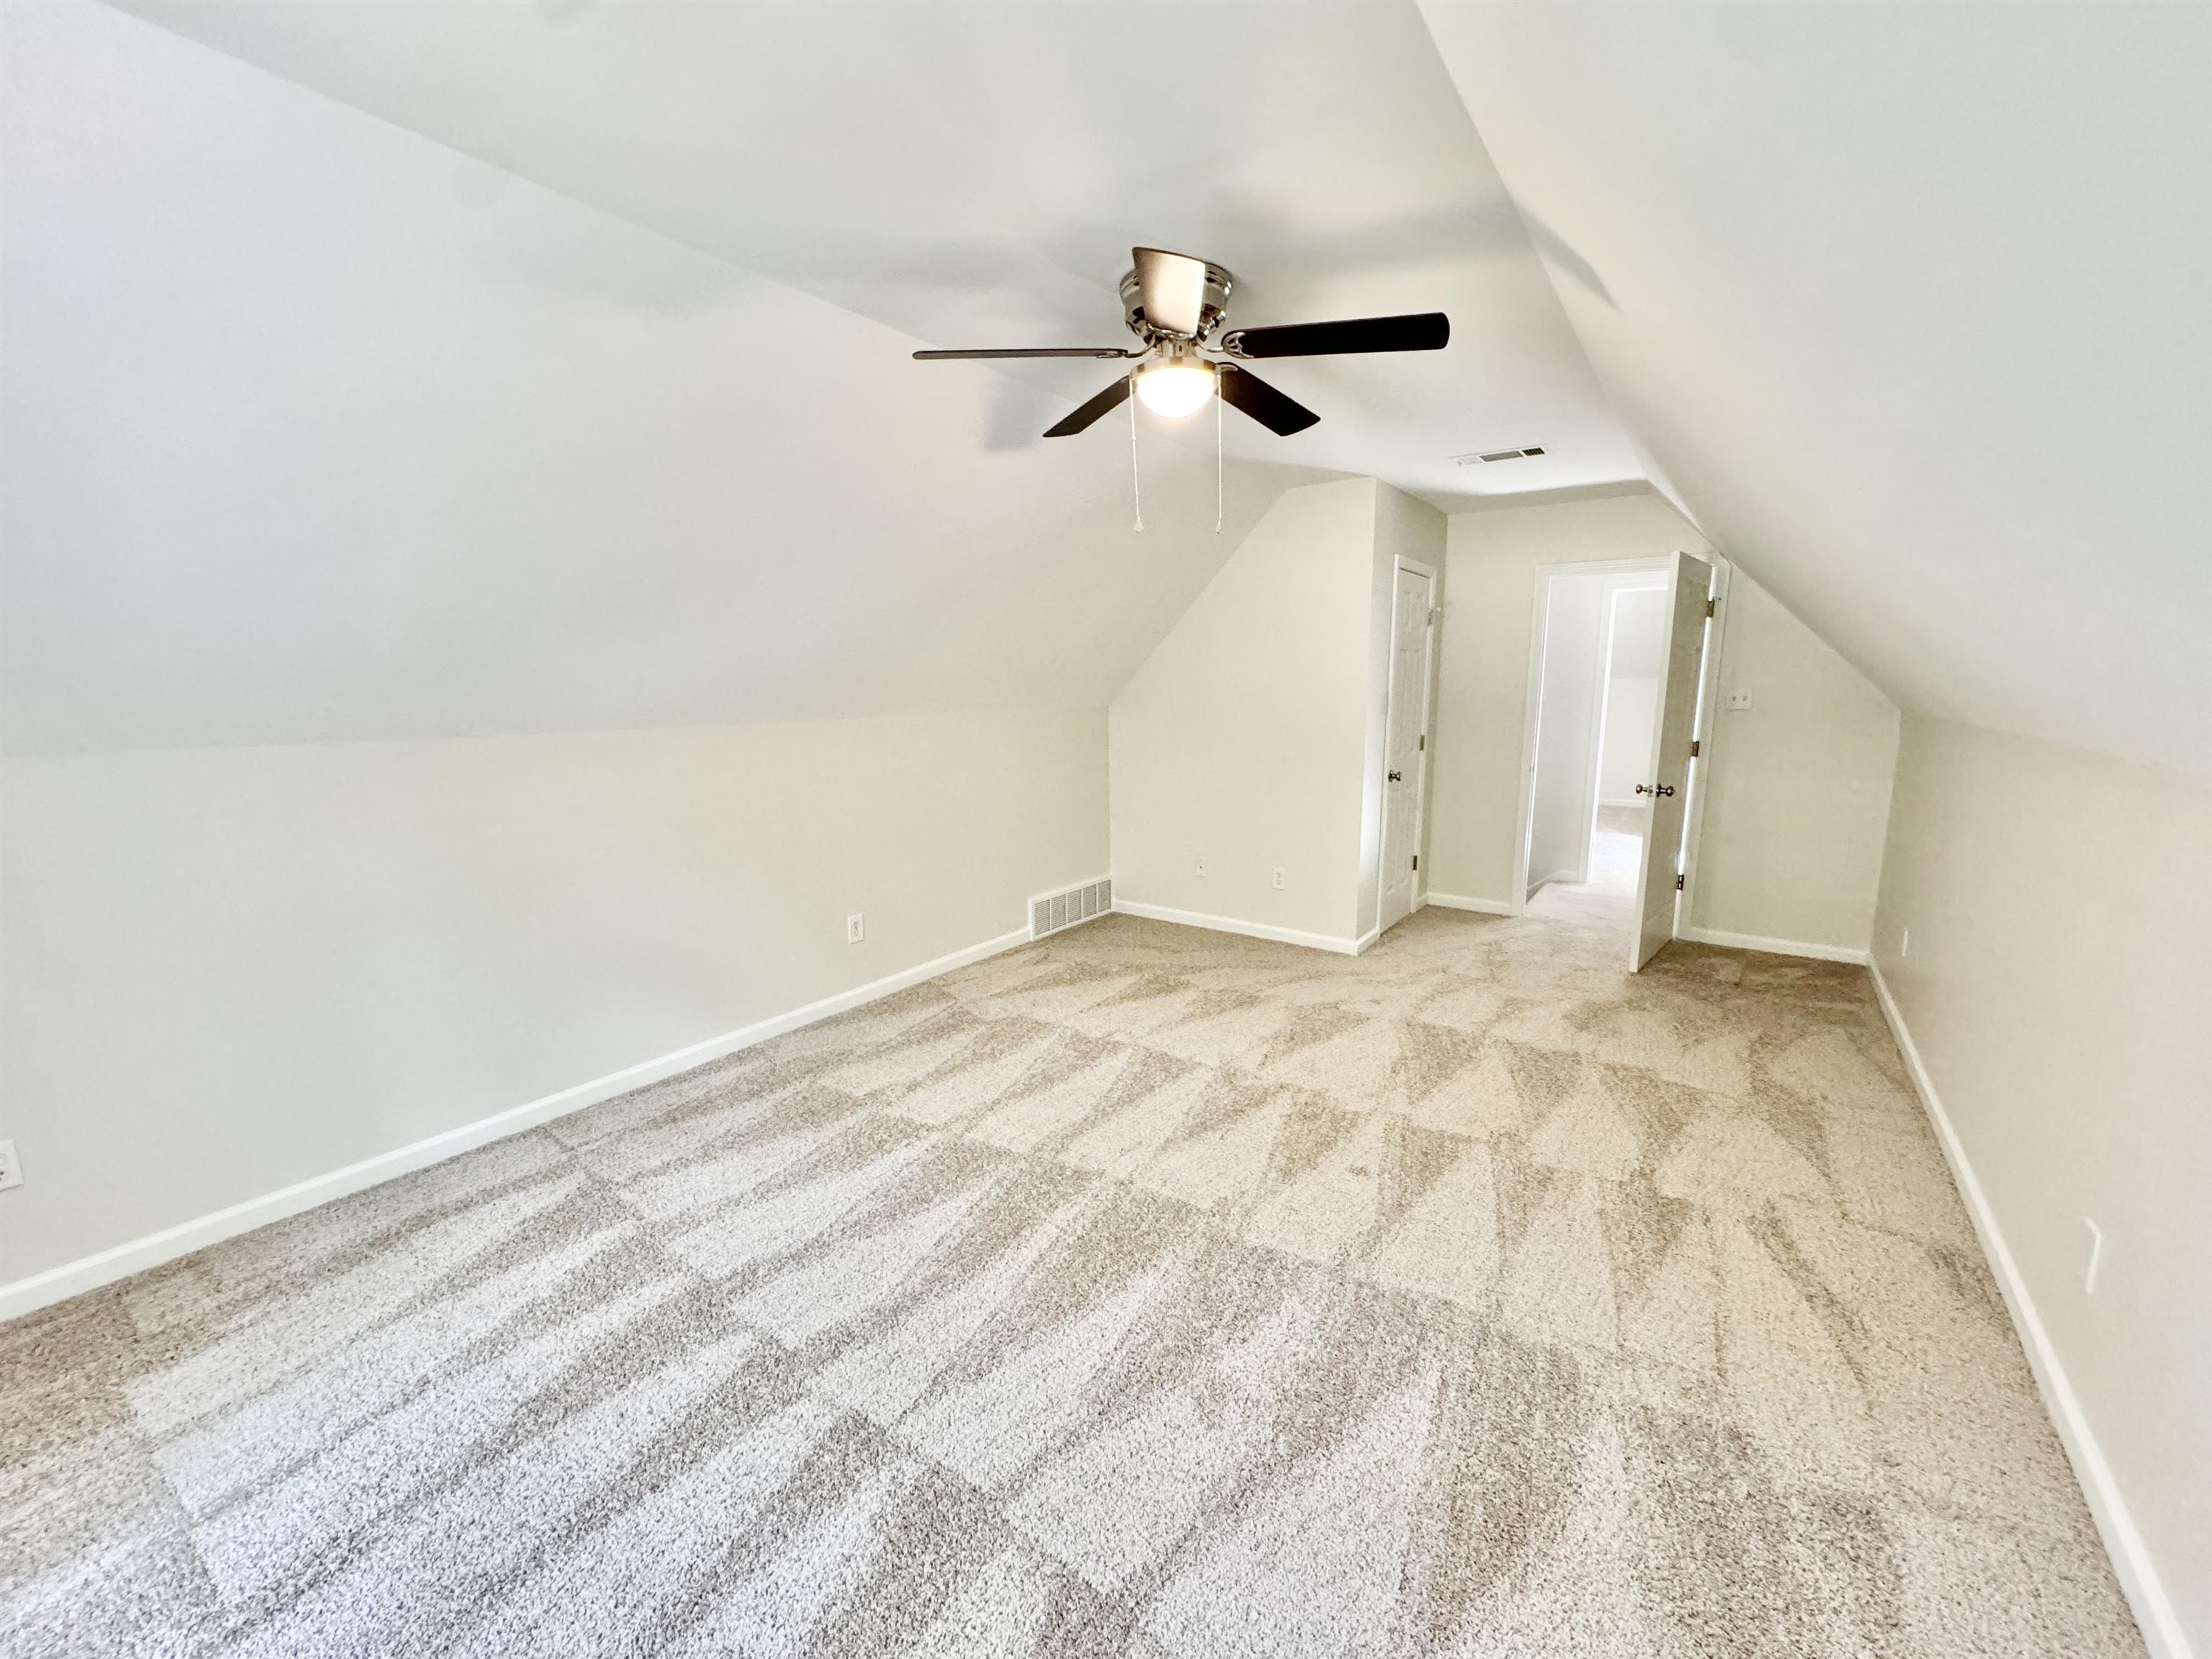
[
  {"x": 1416, "y": 861},
  {"x": 1693, "y": 748},
  {"x": 1423, "y": 743},
  {"x": 1678, "y": 884},
  {"x": 1712, "y": 607}
]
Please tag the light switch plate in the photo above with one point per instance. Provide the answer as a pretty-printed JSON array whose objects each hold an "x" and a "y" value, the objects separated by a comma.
[{"x": 11, "y": 1172}]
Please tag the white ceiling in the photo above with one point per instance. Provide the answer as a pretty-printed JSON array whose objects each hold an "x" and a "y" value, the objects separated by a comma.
[
  {"x": 316, "y": 429},
  {"x": 1911, "y": 307},
  {"x": 313, "y": 429},
  {"x": 976, "y": 175}
]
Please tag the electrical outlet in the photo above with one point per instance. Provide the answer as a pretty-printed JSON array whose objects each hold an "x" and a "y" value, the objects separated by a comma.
[
  {"x": 2096, "y": 1256},
  {"x": 1201, "y": 864},
  {"x": 11, "y": 1172},
  {"x": 1279, "y": 875},
  {"x": 856, "y": 929},
  {"x": 1739, "y": 698}
]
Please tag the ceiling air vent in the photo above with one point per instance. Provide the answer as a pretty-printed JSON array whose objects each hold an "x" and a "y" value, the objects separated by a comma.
[{"x": 1498, "y": 455}]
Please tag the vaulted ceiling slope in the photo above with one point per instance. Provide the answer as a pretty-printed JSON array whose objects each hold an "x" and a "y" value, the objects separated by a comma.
[
  {"x": 314, "y": 429},
  {"x": 1911, "y": 307},
  {"x": 975, "y": 174}
]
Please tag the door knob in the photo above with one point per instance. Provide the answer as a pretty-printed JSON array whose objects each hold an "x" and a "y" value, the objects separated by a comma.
[
  {"x": 1396, "y": 778},
  {"x": 1655, "y": 790}
]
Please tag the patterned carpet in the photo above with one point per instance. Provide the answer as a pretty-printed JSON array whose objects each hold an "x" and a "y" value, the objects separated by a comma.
[
  {"x": 1607, "y": 898},
  {"x": 1143, "y": 1291}
]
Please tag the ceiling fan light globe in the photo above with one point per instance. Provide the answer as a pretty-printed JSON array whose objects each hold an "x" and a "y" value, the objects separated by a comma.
[{"x": 1172, "y": 390}]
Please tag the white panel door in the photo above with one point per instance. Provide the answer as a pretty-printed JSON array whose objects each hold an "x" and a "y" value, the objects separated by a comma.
[
  {"x": 1405, "y": 743},
  {"x": 1689, "y": 586}
]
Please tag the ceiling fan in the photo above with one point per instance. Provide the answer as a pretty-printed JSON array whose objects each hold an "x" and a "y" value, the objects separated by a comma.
[{"x": 1176, "y": 304}]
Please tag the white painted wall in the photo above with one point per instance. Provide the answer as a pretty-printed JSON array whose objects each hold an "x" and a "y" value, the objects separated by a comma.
[
  {"x": 1243, "y": 739},
  {"x": 1632, "y": 693},
  {"x": 2060, "y": 909},
  {"x": 1482, "y": 686},
  {"x": 227, "y": 970},
  {"x": 380, "y": 451},
  {"x": 1568, "y": 710},
  {"x": 1800, "y": 780},
  {"x": 1632, "y": 717},
  {"x": 1806, "y": 248},
  {"x": 1818, "y": 722},
  {"x": 312, "y": 428}
]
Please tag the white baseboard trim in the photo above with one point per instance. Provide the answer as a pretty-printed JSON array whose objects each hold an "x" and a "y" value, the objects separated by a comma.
[
  {"x": 1342, "y": 946},
  {"x": 1461, "y": 902},
  {"x": 1780, "y": 947},
  {"x": 105, "y": 1266},
  {"x": 2153, "y": 1609}
]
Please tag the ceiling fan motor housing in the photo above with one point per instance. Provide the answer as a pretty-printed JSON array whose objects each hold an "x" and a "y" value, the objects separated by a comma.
[{"x": 1211, "y": 307}]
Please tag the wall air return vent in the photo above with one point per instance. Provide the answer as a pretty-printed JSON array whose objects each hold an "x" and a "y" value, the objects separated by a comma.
[
  {"x": 1489, "y": 456},
  {"x": 1051, "y": 912}
]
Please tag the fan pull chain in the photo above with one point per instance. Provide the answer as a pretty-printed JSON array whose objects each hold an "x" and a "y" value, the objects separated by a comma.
[
  {"x": 1136, "y": 486},
  {"x": 1217, "y": 452}
]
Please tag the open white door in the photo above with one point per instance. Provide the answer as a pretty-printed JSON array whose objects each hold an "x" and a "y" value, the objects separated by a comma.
[{"x": 1689, "y": 589}]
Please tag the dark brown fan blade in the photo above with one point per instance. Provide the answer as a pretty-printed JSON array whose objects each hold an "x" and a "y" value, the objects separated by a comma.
[
  {"x": 1248, "y": 392},
  {"x": 1029, "y": 351},
  {"x": 1111, "y": 398},
  {"x": 1426, "y": 331}
]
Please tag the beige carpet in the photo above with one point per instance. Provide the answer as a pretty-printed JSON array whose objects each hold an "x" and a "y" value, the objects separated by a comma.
[
  {"x": 1607, "y": 898},
  {"x": 1143, "y": 1291}
]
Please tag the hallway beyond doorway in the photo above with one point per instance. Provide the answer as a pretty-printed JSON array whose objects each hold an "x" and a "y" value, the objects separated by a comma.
[{"x": 1608, "y": 897}]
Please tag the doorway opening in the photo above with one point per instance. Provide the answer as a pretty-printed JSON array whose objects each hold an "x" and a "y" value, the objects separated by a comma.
[{"x": 1617, "y": 688}]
